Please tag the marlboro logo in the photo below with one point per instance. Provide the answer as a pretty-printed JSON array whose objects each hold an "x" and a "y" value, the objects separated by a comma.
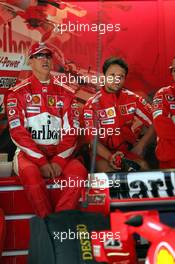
[{"x": 12, "y": 45}]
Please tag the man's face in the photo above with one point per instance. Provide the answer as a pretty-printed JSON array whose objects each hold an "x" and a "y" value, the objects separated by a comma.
[
  {"x": 114, "y": 78},
  {"x": 41, "y": 63},
  {"x": 173, "y": 69}
]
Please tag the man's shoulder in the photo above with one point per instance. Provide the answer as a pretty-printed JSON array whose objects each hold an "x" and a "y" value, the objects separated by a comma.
[
  {"x": 21, "y": 86},
  {"x": 164, "y": 90},
  {"x": 129, "y": 94},
  {"x": 94, "y": 99},
  {"x": 65, "y": 88}
]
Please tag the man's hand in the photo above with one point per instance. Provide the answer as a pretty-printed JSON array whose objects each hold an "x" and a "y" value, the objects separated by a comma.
[
  {"x": 56, "y": 168},
  {"x": 47, "y": 171},
  {"x": 138, "y": 149}
]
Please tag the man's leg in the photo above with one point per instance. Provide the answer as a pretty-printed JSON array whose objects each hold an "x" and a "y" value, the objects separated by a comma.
[
  {"x": 103, "y": 166},
  {"x": 72, "y": 182},
  {"x": 34, "y": 185},
  {"x": 167, "y": 164}
]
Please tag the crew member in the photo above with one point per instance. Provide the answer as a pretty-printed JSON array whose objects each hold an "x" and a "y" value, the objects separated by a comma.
[
  {"x": 113, "y": 110},
  {"x": 164, "y": 123},
  {"x": 41, "y": 114}
]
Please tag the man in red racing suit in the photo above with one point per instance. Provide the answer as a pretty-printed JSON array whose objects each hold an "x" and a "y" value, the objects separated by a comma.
[
  {"x": 114, "y": 110},
  {"x": 40, "y": 114},
  {"x": 164, "y": 123}
]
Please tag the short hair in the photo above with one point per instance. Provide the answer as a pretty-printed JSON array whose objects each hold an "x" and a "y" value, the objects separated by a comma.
[{"x": 114, "y": 60}]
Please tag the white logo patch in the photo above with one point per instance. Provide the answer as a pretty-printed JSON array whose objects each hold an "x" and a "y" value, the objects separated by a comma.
[
  {"x": 12, "y": 112},
  {"x": 15, "y": 123},
  {"x": 172, "y": 106},
  {"x": 76, "y": 123},
  {"x": 110, "y": 112},
  {"x": 33, "y": 109},
  {"x": 107, "y": 121},
  {"x": 157, "y": 113},
  {"x": 28, "y": 98},
  {"x": 12, "y": 102},
  {"x": 59, "y": 104}
]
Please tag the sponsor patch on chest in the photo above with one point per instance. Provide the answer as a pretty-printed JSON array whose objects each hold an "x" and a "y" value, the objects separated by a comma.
[
  {"x": 106, "y": 113},
  {"x": 12, "y": 112},
  {"x": 75, "y": 113},
  {"x": 15, "y": 123},
  {"x": 172, "y": 106},
  {"x": 127, "y": 109},
  {"x": 59, "y": 104},
  {"x": 88, "y": 114},
  {"x": 12, "y": 102},
  {"x": 36, "y": 99},
  {"x": 108, "y": 121},
  {"x": 51, "y": 100},
  {"x": 33, "y": 109},
  {"x": 158, "y": 99},
  {"x": 170, "y": 98}
]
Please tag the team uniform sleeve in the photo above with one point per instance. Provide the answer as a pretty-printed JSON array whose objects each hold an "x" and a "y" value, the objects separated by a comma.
[
  {"x": 143, "y": 111},
  {"x": 19, "y": 134},
  {"x": 69, "y": 134},
  {"x": 163, "y": 123}
]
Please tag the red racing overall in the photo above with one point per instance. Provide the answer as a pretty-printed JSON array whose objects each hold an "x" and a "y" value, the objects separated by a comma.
[
  {"x": 36, "y": 113},
  {"x": 116, "y": 114}
]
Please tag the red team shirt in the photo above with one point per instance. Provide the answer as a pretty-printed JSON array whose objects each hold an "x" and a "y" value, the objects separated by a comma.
[
  {"x": 36, "y": 113},
  {"x": 164, "y": 123},
  {"x": 119, "y": 113}
]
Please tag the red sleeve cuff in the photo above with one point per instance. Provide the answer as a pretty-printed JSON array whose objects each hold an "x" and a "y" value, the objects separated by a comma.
[{"x": 61, "y": 161}]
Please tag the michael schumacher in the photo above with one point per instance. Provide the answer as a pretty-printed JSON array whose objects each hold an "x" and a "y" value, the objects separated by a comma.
[
  {"x": 38, "y": 109},
  {"x": 116, "y": 110},
  {"x": 164, "y": 123}
]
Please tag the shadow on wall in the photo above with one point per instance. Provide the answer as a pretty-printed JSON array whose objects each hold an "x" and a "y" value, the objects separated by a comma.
[{"x": 7, "y": 146}]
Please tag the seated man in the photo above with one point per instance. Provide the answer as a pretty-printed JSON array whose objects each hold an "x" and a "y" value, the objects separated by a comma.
[
  {"x": 164, "y": 123},
  {"x": 40, "y": 114},
  {"x": 115, "y": 110}
]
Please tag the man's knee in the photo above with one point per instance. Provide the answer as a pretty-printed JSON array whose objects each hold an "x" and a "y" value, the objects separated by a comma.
[
  {"x": 30, "y": 175},
  {"x": 103, "y": 166},
  {"x": 75, "y": 168}
]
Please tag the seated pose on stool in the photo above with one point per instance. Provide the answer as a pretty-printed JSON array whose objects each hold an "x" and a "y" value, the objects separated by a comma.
[
  {"x": 164, "y": 123},
  {"x": 40, "y": 114},
  {"x": 114, "y": 110}
]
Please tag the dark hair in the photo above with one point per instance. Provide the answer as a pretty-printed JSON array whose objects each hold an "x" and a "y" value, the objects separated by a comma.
[{"x": 115, "y": 60}]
